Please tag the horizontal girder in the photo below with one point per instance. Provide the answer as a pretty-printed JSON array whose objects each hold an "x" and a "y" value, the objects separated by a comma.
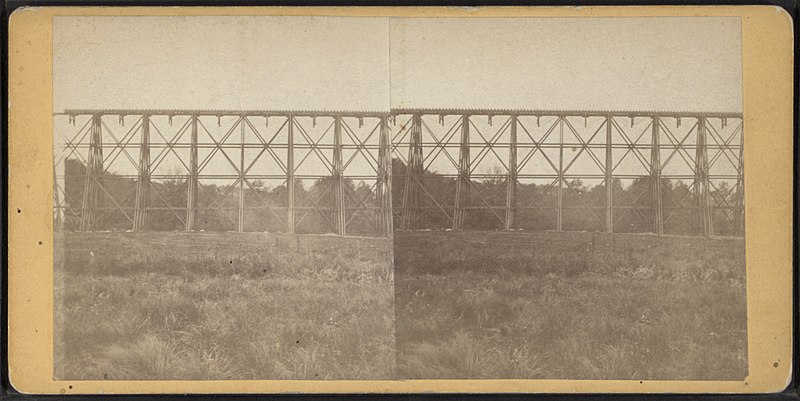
[
  {"x": 220, "y": 112},
  {"x": 576, "y": 113},
  {"x": 402, "y": 111}
]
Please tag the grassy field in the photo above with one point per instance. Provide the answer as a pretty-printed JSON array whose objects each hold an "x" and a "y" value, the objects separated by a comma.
[
  {"x": 223, "y": 306},
  {"x": 460, "y": 305},
  {"x": 569, "y": 306}
]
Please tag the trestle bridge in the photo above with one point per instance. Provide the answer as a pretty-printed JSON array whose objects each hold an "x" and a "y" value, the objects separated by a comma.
[{"x": 367, "y": 173}]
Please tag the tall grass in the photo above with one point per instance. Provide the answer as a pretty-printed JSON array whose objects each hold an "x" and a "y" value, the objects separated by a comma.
[
  {"x": 461, "y": 305},
  {"x": 227, "y": 306},
  {"x": 478, "y": 305}
]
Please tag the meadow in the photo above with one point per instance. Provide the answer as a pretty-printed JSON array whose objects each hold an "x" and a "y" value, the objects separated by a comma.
[
  {"x": 222, "y": 306},
  {"x": 453, "y": 305},
  {"x": 552, "y": 305}
]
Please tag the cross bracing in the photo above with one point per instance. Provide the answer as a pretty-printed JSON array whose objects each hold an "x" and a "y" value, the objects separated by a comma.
[{"x": 331, "y": 171}]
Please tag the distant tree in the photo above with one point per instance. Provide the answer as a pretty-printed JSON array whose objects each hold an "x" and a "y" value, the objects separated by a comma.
[{"x": 266, "y": 207}]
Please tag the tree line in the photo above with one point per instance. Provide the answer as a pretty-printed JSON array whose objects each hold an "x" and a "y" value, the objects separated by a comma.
[{"x": 584, "y": 204}]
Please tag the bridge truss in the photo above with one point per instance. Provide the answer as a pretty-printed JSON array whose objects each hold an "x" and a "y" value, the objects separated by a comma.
[
  {"x": 216, "y": 170},
  {"x": 333, "y": 172},
  {"x": 673, "y": 173}
]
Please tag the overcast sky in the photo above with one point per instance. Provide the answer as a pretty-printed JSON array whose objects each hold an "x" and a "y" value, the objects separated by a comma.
[
  {"x": 335, "y": 63},
  {"x": 568, "y": 63},
  {"x": 376, "y": 63},
  {"x": 221, "y": 62}
]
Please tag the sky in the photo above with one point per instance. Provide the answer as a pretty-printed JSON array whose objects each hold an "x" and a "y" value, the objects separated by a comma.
[
  {"x": 330, "y": 63},
  {"x": 568, "y": 63},
  {"x": 345, "y": 63},
  {"x": 221, "y": 62}
]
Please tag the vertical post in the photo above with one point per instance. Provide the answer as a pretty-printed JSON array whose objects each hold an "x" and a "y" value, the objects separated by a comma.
[
  {"x": 57, "y": 223},
  {"x": 740, "y": 185},
  {"x": 413, "y": 173},
  {"x": 609, "y": 166},
  {"x": 697, "y": 185},
  {"x": 340, "y": 216},
  {"x": 701, "y": 184},
  {"x": 655, "y": 178},
  {"x": 290, "y": 185},
  {"x": 511, "y": 181},
  {"x": 384, "y": 188},
  {"x": 143, "y": 181},
  {"x": 240, "y": 225},
  {"x": 191, "y": 196},
  {"x": 94, "y": 174},
  {"x": 462, "y": 185},
  {"x": 560, "y": 192},
  {"x": 709, "y": 197}
]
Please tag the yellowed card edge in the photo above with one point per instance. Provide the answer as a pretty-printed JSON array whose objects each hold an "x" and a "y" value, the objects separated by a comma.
[{"x": 768, "y": 92}]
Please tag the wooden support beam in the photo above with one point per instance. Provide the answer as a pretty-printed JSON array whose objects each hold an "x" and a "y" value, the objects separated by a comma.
[
  {"x": 340, "y": 216},
  {"x": 511, "y": 180},
  {"x": 560, "y": 192},
  {"x": 414, "y": 175},
  {"x": 701, "y": 183},
  {"x": 740, "y": 186},
  {"x": 143, "y": 181},
  {"x": 384, "y": 187},
  {"x": 463, "y": 183},
  {"x": 609, "y": 166},
  {"x": 655, "y": 178},
  {"x": 240, "y": 225},
  {"x": 94, "y": 175},
  {"x": 191, "y": 195},
  {"x": 57, "y": 219},
  {"x": 290, "y": 184}
]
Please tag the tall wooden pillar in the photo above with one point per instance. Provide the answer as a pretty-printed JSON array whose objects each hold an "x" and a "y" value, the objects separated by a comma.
[
  {"x": 290, "y": 184},
  {"x": 701, "y": 183},
  {"x": 511, "y": 180},
  {"x": 609, "y": 167},
  {"x": 240, "y": 225},
  {"x": 655, "y": 178},
  {"x": 340, "y": 216},
  {"x": 560, "y": 190},
  {"x": 414, "y": 175},
  {"x": 143, "y": 181},
  {"x": 463, "y": 183},
  {"x": 384, "y": 185},
  {"x": 740, "y": 186},
  {"x": 57, "y": 219},
  {"x": 191, "y": 195},
  {"x": 94, "y": 176}
]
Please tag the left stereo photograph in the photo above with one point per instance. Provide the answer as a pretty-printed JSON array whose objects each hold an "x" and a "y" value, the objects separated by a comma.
[{"x": 245, "y": 235}]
